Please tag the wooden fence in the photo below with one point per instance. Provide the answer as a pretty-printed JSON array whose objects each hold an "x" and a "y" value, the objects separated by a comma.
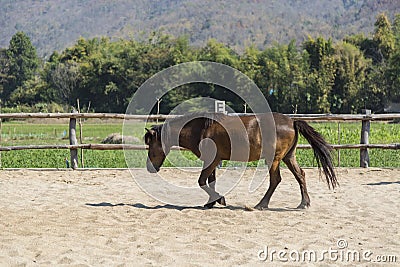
[{"x": 364, "y": 145}]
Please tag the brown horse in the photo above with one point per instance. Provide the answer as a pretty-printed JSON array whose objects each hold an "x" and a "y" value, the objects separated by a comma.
[{"x": 194, "y": 132}]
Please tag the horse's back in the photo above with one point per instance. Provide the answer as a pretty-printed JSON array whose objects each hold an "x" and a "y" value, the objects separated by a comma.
[
  {"x": 252, "y": 137},
  {"x": 274, "y": 133}
]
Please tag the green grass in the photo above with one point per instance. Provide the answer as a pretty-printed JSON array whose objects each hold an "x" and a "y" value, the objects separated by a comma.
[
  {"x": 380, "y": 133},
  {"x": 23, "y": 133}
]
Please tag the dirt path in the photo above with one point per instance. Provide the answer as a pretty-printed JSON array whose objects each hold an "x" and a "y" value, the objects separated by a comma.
[{"x": 102, "y": 218}]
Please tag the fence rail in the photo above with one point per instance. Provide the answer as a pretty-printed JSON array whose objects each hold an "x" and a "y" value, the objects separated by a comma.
[
  {"x": 74, "y": 146},
  {"x": 144, "y": 147},
  {"x": 306, "y": 117}
]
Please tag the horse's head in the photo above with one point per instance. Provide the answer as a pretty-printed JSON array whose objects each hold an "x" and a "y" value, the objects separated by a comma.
[{"x": 156, "y": 155}]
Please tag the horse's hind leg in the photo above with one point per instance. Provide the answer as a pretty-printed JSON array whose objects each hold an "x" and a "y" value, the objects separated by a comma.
[
  {"x": 275, "y": 179},
  {"x": 290, "y": 161}
]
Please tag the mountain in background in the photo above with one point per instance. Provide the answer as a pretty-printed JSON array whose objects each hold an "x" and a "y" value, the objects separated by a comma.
[{"x": 57, "y": 24}]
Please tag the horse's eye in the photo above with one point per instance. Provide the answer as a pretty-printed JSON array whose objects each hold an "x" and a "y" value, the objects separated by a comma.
[{"x": 147, "y": 139}]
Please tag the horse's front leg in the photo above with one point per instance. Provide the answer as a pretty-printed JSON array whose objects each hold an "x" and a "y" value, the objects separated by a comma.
[
  {"x": 213, "y": 196},
  {"x": 211, "y": 183}
]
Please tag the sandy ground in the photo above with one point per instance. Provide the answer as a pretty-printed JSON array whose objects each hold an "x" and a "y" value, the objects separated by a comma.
[{"x": 102, "y": 218}]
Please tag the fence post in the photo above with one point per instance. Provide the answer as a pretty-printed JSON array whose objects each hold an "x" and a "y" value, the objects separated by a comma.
[
  {"x": 73, "y": 141},
  {"x": 338, "y": 151},
  {"x": 365, "y": 127}
]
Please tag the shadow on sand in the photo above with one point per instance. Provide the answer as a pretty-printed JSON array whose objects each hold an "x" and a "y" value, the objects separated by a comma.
[
  {"x": 158, "y": 207},
  {"x": 180, "y": 208},
  {"x": 384, "y": 183}
]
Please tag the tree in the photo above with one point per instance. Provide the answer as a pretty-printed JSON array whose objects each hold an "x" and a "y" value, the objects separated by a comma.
[
  {"x": 31, "y": 92},
  {"x": 396, "y": 32},
  {"x": 65, "y": 78},
  {"x": 393, "y": 69},
  {"x": 249, "y": 62},
  {"x": 383, "y": 38},
  {"x": 4, "y": 69},
  {"x": 320, "y": 78},
  {"x": 380, "y": 76},
  {"x": 378, "y": 88},
  {"x": 218, "y": 52},
  {"x": 23, "y": 63},
  {"x": 281, "y": 77},
  {"x": 181, "y": 51},
  {"x": 393, "y": 77},
  {"x": 349, "y": 78}
]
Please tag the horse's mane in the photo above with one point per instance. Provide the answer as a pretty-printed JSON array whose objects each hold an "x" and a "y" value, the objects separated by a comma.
[
  {"x": 157, "y": 128},
  {"x": 208, "y": 120}
]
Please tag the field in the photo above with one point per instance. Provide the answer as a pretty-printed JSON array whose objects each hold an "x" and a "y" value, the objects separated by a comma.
[{"x": 28, "y": 133}]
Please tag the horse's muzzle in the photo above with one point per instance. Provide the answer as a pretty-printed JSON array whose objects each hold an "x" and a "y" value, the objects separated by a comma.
[{"x": 151, "y": 168}]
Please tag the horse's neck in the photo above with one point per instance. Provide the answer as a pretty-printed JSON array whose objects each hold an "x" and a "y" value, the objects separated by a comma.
[{"x": 189, "y": 136}]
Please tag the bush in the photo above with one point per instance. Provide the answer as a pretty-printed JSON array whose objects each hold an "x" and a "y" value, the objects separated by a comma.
[{"x": 39, "y": 107}]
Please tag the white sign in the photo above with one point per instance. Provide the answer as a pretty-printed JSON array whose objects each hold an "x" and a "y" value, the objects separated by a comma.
[{"x": 220, "y": 106}]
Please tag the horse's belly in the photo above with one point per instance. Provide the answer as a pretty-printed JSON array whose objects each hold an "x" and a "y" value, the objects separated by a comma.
[{"x": 244, "y": 154}]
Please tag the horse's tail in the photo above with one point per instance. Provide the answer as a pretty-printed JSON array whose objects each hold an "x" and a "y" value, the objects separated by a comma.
[{"x": 322, "y": 151}]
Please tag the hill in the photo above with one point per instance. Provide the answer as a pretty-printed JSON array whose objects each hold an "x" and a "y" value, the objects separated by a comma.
[{"x": 54, "y": 25}]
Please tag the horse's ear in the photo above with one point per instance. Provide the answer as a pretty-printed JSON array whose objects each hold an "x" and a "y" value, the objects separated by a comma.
[{"x": 150, "y": 131}]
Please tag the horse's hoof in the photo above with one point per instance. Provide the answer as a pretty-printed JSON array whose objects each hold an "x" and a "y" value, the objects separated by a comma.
[
  {"x": 303, "y": 206},
  {"x": 210, "y": 205},
  {"x": 222, "y": 201},
  {"x": 260, "y": 207}
]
